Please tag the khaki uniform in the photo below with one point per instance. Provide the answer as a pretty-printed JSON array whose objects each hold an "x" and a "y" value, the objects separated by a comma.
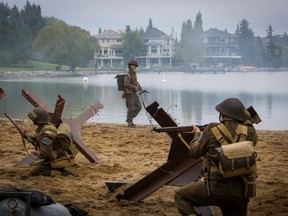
[
  {"x": 226, "y": 193},
  {"x": 133, "y": 102},
  {"x": 50, "y": 149}
]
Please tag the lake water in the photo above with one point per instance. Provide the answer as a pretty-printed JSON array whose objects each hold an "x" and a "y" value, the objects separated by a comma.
[{"x": 189, "y": 98}]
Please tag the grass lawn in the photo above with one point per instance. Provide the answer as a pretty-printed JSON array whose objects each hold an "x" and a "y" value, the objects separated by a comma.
[{"x": 32, "y": 66}]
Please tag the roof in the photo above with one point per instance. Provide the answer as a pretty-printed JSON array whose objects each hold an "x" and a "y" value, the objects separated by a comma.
[
  {"x": 214, "y": 32},
  {"x": 109, "y": 34},
  {"x": 153, "y": 33}
]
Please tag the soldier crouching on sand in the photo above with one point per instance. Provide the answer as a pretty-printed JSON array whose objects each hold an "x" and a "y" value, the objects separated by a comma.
[
  {"x": 51, "y": 150},
  {"x": 228, "y": 193}
]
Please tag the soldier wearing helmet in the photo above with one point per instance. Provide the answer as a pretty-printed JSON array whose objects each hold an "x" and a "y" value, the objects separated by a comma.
[
  {"x": 132, "y": 86},
  {"x": 49, "y": 146},
  {"x": 226, "y": 193}
]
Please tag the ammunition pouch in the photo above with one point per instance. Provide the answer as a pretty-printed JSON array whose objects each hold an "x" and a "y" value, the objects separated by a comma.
[{"x": 249, "y": 186}]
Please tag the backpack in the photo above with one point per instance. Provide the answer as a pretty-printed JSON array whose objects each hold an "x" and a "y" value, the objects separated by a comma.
[
  {"x": 66, "y": 148},
  {"x": 120, "y": 81},
  {"x": 237, "y": 158}
]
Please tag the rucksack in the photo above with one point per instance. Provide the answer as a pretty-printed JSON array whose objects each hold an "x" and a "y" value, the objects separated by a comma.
[
  {"x": 65, "y": 138},
  {"x": 237, "y": 158},
  {"x": 66, "y": 150},
  {"x": 120, "y": 81}
]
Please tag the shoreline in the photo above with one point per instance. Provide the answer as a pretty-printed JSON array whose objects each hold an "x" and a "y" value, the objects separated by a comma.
[{"x": 9, "y": 74}]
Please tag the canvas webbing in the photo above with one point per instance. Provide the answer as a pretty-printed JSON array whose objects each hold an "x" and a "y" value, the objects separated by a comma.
[{"x": 241, "y": 132}]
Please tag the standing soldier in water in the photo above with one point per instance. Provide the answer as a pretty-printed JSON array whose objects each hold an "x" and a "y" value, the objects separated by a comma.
[{"x": 131, "y": 86}]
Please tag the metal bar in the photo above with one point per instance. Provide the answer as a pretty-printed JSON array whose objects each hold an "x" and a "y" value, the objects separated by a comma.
[
  {"x": 59, "y": 107},
  {"x": 36, "y": 102},
  {"x": 160, "y": 177},
  {"x": 180, "y": 169}
]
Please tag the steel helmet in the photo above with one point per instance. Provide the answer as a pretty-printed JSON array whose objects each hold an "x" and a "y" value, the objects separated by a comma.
[
  {"x": 133, "y": 62},
  {"x": 39, "y": 115},
  {"x": 233, "y": 108}
]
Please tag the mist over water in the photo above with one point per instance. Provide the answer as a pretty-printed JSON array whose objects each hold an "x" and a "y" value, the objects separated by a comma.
[{"x": 188, "y": 98}]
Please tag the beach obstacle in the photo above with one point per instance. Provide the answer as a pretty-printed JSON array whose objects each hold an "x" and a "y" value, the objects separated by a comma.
[
  {"x": 75, "y": 124},
  {"x": 179, "y": 170}
]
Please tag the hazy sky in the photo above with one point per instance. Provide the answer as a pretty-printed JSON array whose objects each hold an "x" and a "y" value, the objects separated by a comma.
[{"x": 165, "y": 14}]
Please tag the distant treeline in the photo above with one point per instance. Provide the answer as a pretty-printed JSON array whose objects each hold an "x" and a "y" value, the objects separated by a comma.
[{"x": 27, "y": 35}]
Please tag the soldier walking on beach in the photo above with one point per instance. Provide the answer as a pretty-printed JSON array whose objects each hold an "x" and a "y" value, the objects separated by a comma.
[
  {"x": 131, "y": 87},
  {"x": 231, "y": 194}
]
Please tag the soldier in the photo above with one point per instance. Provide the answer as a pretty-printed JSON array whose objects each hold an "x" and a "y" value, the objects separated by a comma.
[
  {"x": 215, "y": 190},
  {"x": 131, "y": 85},
  {"x": 50, "y": 149}
]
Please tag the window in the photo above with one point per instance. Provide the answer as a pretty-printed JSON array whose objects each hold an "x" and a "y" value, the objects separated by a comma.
[
  {"x": 167, "y": 42},
  {"x": 222, "y": 40},
  {"x": 154, "y": 49}
]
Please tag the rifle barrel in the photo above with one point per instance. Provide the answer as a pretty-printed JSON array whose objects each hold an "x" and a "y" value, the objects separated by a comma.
[
  {"x": 22, "y": 132},
  {"x": 178, "y": 128}
]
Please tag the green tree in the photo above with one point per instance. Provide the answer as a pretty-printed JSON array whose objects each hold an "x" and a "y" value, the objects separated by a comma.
[
  {"x": 186, "y": 43},
  {"x": 5, "y": 43},
  {"x": 191, "y": 49},
  {"x": 273, "y": 52},
  {"x": 20, "y": 37},
  {"x": 72, "y": 46},
  {"x": 132, "y": 44},
  {"x": 259, "y": 53},
  {"x": 32, "y": 17},
  {"x": 150, "y": 25},
  {"x": 246, "y": 42},
  {"x": 198, "y": 52}
]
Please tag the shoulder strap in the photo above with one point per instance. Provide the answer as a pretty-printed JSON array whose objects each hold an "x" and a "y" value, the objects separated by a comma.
[
  {"x": 241, "y": 132},
  {"x": 216, "y": 131}
]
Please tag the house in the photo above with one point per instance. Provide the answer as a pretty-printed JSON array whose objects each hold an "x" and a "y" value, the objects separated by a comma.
[
  {"x": 221, "y": 48},
  {"x": 111, "y": 49},
  {"x": 158, "y": 49}
]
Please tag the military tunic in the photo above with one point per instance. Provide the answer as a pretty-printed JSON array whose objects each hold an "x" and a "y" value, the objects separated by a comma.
[
  {"x": 133, "y": 102},
  {"x": 49, "y": 148},
  {"x": 226, "y": 193}
]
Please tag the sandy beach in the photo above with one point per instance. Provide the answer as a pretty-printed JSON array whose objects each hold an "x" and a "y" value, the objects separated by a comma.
[{"x": 127, "y": 155}]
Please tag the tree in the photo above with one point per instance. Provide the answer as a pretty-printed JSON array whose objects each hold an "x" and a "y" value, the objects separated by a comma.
[
  {"x": 197, "y": 44},
  {"x": 4, "y": 33},
  {"x": 246, "y": 42},
  {"x": 32, "y": 17},
  {"x": 273, "y": 52},
  {"x": 191, "y": 49},
  {"x": 150, "y": 25},
  {"x": 132, "y": 44},
  {"x": 259, "y": 53},
  {"x": 20, "y": 37},
  {"x": 16, "y": 34},
  {"x": 186, "y": 43},
  {"x": 72, "y": 46}
]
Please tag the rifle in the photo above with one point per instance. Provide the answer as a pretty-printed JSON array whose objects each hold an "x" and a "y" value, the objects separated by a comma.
[
  {"x": 24, "y": 134},
  {"x": 178, "y": 129},
  {"x": 255, "y": 118}
]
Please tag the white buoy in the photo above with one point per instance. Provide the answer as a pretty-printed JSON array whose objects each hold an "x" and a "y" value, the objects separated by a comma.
[
  {"x": 85, "y": 79},
  {"x": 164, "y": 78}
]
